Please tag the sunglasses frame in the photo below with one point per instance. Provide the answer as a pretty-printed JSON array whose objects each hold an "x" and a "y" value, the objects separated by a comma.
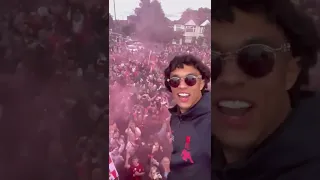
[
  {"x": 222, "y": 57},
  {"x": 286, "y": 47},
  {"x": 183, "y": 78}
]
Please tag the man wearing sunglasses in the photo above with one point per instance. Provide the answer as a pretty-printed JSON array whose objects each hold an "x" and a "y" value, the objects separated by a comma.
[
  {"x": 187, "y": 79},
  {"x": 263, "y": 128}
]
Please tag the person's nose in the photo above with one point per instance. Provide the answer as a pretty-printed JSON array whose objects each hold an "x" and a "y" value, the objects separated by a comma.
[
  {"x": 231, "y": 74},
  {"x": 182, "y": 84}
]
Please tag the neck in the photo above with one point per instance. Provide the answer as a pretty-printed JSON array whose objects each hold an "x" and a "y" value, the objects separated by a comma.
[
  {"x": 233, "y": 154},
  {"x": 182, "y": 110}
]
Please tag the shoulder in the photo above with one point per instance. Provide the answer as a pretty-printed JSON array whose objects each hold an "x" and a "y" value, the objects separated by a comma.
[
  {"x": 308, "y": 108},
  {"x": 173, "y": 119},
  {"x": 310, "y": 102},
  {"x": 309, "y": 170}
]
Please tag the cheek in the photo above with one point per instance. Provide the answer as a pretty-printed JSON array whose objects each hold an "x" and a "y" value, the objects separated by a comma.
[
  {"x": 273, "y": 83},
  {"x": 268, "y": 90},
  {"x": 174, "y": 93},
  {"x": 174, "y": 90},
  {"x": 198, "y": 87}
]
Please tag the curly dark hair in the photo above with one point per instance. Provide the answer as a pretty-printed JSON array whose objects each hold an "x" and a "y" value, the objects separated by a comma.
[
  {"x": 189, "y": 60},
  {"x": 298, "y": 28}
]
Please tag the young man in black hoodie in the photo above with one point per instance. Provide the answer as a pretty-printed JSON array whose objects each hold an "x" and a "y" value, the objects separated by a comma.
[
  {"x": 263, "y": 126},
  {"x": 186, "y": 78}
]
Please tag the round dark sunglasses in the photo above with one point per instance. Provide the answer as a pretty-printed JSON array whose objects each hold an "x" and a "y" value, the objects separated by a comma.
[
  {"x": 190, "y": 80},
  {"x": 255, "y": 60}
]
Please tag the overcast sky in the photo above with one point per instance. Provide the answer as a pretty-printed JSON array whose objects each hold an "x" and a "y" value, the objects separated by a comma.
[{"x": 172, "y": 8}]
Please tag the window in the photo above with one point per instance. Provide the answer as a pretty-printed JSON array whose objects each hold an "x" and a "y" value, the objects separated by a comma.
[
  {"x": 179, "y": 27},
  {"x": 202, "y": 29},
  {"x": 190, "y": 28}
]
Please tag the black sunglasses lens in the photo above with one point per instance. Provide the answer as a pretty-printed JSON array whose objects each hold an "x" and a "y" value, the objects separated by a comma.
[
  {"x": 190, "y": 80},
  {"x": 216, "y": 66},
  {"x": 174, "y": 82},
  {"x": 256, "y": 61}
]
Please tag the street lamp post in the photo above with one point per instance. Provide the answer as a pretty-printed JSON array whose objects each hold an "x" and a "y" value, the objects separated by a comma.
[{"x": 114, "y": 9}]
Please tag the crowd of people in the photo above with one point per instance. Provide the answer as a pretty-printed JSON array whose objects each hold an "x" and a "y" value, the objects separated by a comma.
[
  {"x": 139, "y": 132},
  {"x": 53, "y": 92}
]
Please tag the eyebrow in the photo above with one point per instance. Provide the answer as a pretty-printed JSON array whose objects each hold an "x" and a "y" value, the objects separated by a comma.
[
  {"x": 253, "y": 40},
  {"x": 259, "y": 40},
  {"x": 175, "y": 75}
]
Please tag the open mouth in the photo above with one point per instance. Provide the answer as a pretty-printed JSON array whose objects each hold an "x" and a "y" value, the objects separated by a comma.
[
  {"x": 184, "y": 97},
  {"x": 234, "y": 108}
]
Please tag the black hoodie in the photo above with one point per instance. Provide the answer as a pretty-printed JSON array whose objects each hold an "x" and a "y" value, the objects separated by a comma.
[
  {"x": 292, "y": 152},
  {"x": 191, "y": 134}
]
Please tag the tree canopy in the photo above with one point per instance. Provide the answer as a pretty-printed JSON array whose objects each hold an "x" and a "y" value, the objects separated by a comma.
[
  {"x": 151, "y": 23},
  {"x": 199, "y": 15}
]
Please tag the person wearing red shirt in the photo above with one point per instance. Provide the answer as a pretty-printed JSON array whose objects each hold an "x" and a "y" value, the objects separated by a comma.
[{"x": 136, "y": 170}]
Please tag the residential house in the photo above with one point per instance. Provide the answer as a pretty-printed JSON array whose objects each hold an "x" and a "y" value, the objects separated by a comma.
[{"x": 191, "y": 29}]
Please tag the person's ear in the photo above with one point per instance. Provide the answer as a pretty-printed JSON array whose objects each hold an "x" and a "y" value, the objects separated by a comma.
[
  {"x": 292, "y": 72},
  {"x": 202, "y": 83}
]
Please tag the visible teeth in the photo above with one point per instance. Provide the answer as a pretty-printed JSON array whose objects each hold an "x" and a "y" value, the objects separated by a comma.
[
  {"x": 183, "y": 94},
  {"x": 235, "y": 104}
]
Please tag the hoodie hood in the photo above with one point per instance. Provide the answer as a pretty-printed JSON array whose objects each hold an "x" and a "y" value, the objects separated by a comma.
[{"x": 200, "y": 108}]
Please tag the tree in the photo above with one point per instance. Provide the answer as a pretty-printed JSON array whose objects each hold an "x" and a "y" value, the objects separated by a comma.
[
  {"x": 151, "y": 23},
  {"x": 199, "y": 15}
]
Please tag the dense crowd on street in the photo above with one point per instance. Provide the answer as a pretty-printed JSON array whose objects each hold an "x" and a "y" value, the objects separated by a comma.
[
  {"x": 139, "y": 131},
  {"x": 53, "y": 92}
]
